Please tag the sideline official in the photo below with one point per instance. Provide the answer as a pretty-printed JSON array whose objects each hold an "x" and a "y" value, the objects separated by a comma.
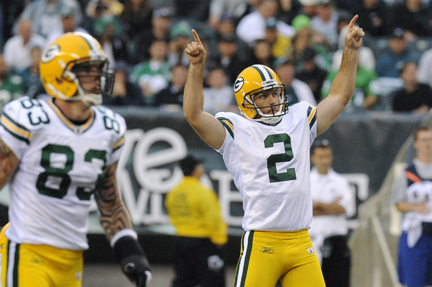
[{"x": 195, "y": 213}]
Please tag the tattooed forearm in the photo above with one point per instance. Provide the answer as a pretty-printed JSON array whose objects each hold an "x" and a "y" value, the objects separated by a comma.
[
  {"x": 113, "y": 213},
  {"x": 8, "y": 163}
]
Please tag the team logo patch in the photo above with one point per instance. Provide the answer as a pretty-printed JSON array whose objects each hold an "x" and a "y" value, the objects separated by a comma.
[
  {"x": 267, "y": 250},
  {"x": 50, "y": 53},
  {"x": 310, "y": 250},
  {"x": 238, "y": 84}
]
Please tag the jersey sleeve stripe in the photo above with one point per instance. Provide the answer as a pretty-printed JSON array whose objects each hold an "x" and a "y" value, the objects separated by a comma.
[
  {"x": 15, "y": 131},
  {"x": 228, "y": 125},
  {"x": 311, "y": 116},
  {"x": 119, "y": 143},
  {"x": 15, "y": 123}
]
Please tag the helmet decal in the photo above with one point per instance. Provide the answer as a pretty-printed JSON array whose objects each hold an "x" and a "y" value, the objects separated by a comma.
[
  {"x": 238, "y": 84},
  {"x": 50, "y": 53}
]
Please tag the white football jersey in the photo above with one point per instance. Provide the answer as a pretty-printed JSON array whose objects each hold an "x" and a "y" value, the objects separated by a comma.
[
  {"x": 270, "y": 166},
  {"x": 60, "y": 165}
]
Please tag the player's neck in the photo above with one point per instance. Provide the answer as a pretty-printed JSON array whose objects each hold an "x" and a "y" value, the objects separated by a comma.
[{"x": 73, "y": 110}]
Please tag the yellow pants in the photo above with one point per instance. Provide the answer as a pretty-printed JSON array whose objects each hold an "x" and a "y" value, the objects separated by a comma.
[
  {"x": 267, "y": 257},
  {"x": 26, "y": 265}
]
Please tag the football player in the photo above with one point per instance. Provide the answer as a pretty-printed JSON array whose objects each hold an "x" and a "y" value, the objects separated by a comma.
[
  {"x": 57, "y": 154},
  {"x": 266, "y": 149}
]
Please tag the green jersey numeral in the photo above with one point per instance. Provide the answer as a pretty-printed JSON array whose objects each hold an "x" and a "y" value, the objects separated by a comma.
[
  {"x": 61, "y": 175},
  {"x": 272, "y": 160}
]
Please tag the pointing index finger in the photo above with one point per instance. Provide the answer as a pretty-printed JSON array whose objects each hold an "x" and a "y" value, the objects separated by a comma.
[
  {"x": 196, "y": 37},
  {"x": 353, "y": 20}
]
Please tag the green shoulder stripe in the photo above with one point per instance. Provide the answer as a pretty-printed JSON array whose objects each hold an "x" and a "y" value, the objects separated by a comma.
[
  {"x": 228, "y": 125},
  {"x": 26, "y": 140},
  {"x": 15, "y": 123}
]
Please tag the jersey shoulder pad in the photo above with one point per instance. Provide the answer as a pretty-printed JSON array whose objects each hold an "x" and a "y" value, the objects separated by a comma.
[
  {"x": 112, "y": 120},
  {"x": 227, "y": 120},
  {"x": 24, "y": 115},
  {"x": 303, "y": 110}
]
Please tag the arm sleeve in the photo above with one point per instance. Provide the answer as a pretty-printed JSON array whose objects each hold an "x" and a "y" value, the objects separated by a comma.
[
  {"x": 399, "y": 187},
  {"x": 214, "y": 219},
  {"x": 14, "y": 127}
]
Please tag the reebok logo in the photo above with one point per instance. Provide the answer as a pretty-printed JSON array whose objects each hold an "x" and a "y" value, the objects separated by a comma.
[
  {"x": 267, "y": 250},
  {"x": 310, "y": 250}
]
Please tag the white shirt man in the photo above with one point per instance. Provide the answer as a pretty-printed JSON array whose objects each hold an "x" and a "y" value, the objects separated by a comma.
[{"x": 17, "y": 49}]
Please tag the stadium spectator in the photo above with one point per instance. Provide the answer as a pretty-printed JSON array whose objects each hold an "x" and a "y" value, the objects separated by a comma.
[
  {"x": 390, "y": 62},
  {"x": 11, "y": 85},
  {"x": 113, "y": 8},
  {"x": 307, "y": 37},
  {"x": 173, "y": 94},
  {"x": 413, "y": 96},
  {"x": 45, "y": 14},
  {"x": 226, "y": 8},
  {"x": 364, "y": 97},
  {"x": 153, "y": 75},
  {"x": 309, "y": 7},
  {"x": 295, "y": 90},
  {"x": 100, "y": 10},
  {"x": 180, "y": 36},
  {"x": 228, "y": 57},
  {"x": 372, "y": 16},
  {"x": 413, "y": 16},
  {"x": 69, "y": 24},
  {"x": 193, "y": 10},
  {"x": 412, "y": 196},
  {"x": 366, "y": 55},
  {"x": 332, "y": 204},
  {"x": 195, "y": 213},
  {"x": 311, "y": 74},
  {"x": 279, "y": 44},
  {"x": 424, "y": 71},
  {"x": 218, "y": 95},
  {"x": 17, "y": 49},
  {"x": 108, "y": 31},
  {"x": 252, "y": 26},
  {"x": 325, "y": 23},
  {"x": 31, "y": 75},
  {"x": 262, "y": 54},
  {"x": 125, "y": 93},
  {"x": 160, "y": 30},
  {"x": 136, "y": 17}
]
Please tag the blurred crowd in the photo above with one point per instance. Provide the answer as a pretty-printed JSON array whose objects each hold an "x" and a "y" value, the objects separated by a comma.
[{"x": 302, "y": 40}]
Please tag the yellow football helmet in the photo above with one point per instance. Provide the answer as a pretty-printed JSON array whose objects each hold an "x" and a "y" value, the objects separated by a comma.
[
  {"x": 65, "y": 58},
  {"x": 253, "y": 80}
]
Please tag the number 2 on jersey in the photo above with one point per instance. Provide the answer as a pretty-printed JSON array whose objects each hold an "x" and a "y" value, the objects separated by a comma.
[{"x": 272, "y": 160}]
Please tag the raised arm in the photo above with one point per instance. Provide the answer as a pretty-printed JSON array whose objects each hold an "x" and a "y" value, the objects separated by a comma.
[
  {"x": 8, "y": 163},
  {"x": 343, "y": 85},
  {"x": 204, "y": 124}
]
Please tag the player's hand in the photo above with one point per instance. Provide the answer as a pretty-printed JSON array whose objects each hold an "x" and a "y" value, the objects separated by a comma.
[
  {"x": 354, "y": 35},
  {"x": 137, "y": 269},
  {"x": 195, "y": 51}
]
